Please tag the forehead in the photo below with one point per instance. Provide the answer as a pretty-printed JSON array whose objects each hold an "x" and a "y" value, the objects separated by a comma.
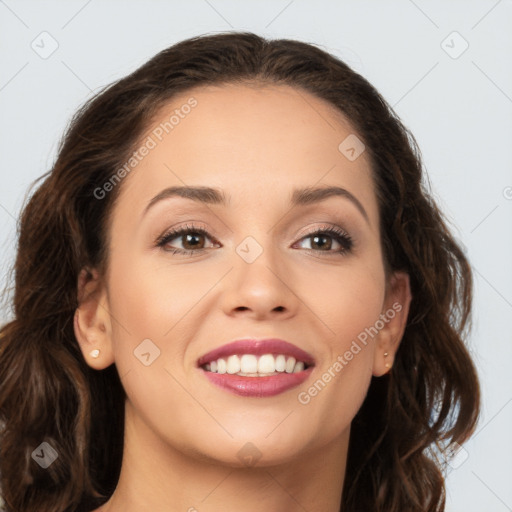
[
  {"x": 244, "y": 115},
  {"x": 257, "y": 139}
]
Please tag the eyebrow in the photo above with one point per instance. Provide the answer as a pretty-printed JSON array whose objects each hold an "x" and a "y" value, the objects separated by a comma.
[{"x": 300, "y": 197}]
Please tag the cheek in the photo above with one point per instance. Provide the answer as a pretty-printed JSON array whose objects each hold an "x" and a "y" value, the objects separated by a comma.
[
  {"x": 155, "y": 308},
  {"x": 151, "y": 297},
  {"x": 349, "y": 307},
  {"x": 347, "y": 299}
]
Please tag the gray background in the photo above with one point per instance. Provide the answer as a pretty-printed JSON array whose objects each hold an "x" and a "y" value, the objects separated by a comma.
[{"x": 457, "y": 103}]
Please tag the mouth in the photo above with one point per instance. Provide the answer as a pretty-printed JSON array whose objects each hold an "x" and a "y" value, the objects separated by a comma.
[
  {"x": 257, "y": 367},
  {"x": 251, "y": 365}
]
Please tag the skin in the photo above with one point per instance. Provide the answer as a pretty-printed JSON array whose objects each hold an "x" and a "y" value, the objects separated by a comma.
[{"x": 183, "y": 434}]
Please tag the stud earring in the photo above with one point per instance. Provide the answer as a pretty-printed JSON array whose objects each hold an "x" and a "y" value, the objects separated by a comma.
[
  {"x": 94, "y": 353},
  {"x": 387, "y": 365}
]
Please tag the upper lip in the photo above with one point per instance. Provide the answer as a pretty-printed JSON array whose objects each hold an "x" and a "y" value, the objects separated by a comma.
[{"x": 257, "y": 347}]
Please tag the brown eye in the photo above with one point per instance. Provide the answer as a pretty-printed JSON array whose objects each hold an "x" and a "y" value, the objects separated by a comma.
[
  {"x": 192, "y": 240},
  {"x": 322, "y": 241}
]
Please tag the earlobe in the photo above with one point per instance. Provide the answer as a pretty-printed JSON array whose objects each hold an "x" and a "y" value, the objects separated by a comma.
[
  {"x": 394, "y": 321},
  {"x": 92, "y": 321}
]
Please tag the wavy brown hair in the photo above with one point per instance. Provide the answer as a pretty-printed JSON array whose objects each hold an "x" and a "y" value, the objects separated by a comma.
[{"x": 48, "y": 392}]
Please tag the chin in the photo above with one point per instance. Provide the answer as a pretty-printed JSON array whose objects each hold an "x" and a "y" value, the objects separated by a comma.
[{"x": 253, "y": 448}]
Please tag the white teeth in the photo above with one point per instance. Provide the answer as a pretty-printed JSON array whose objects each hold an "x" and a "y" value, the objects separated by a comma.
[
  {"x": 299, "y": 366},
  {"x": 221, "y": 365},
  {"x": 233, "y": 364},
  {"x": 290, "y": 365},
  {"x": 250, "y": 365},
  {"x": 280, "y": 363},
  {"x": 266, "y": 364}
]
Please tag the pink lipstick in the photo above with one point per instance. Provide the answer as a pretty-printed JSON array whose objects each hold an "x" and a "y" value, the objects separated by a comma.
[{"x": 257, "y": 368}]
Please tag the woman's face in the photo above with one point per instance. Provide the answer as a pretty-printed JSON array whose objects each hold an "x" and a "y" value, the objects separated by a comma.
[{"x": 266, "y": 268}]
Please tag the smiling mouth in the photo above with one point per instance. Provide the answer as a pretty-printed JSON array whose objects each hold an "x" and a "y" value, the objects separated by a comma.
[{"x": 251, "y": 365}]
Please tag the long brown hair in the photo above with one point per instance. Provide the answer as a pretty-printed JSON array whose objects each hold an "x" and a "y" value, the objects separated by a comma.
[{"x": 48, "y": 392}]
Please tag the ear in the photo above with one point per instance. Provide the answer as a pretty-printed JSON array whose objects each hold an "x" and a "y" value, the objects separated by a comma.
[
  {"x": 92, "y": 322},
  {"x": 394, "y": 320}
]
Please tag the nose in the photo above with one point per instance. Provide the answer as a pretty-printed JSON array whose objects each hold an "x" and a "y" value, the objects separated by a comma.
[{"x": 260, "y": 289}]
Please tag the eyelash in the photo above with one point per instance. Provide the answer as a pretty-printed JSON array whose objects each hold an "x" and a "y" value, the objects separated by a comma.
[{"x": 343, "y": 238}]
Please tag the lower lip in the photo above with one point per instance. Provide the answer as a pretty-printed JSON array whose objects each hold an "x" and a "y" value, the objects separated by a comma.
[{"x": 258, "y": 386}]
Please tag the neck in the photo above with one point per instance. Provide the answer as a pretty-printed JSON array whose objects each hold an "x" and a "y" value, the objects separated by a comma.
[{"x": 157, "y": 476}]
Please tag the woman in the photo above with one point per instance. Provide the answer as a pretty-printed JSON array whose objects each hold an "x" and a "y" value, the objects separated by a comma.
[{"x": 234, "y": 292}]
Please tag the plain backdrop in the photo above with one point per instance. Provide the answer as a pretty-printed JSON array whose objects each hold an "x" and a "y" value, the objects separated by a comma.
[{"x": 446, "y": 68}]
